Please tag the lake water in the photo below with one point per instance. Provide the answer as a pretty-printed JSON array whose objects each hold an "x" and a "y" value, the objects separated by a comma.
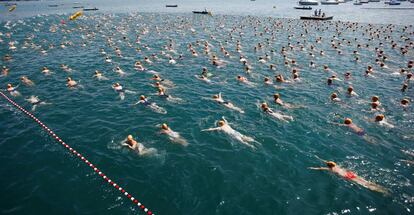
[{"x": 214, "y": 174}]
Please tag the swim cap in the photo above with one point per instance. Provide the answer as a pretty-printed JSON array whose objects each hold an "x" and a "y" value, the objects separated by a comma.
[
  {"x": 164, "y": 126},
  {"x": 347, "y": 121},
  {"x": 142, "y": 97},
  {"x": 130, "y": 137},
  {"x": 221, "y": 123},
  {"x": 379, "y": 117},
  {"x": 330, "y": 164}
]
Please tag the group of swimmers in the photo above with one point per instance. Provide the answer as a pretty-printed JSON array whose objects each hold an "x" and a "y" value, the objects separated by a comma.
[{"x": 233, "y": 44}]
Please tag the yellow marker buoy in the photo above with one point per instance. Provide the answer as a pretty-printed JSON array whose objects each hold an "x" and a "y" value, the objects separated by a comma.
[
  {"x": 12, "y": 8},
  {"x": 76, "y": 15}
]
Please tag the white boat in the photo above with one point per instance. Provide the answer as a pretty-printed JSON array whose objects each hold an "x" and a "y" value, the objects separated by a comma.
[
  {"x": 329, "y": 2},
  {"x": 341, "y": 1},
  {"x": 364, "y": 1},
  {"x": 308, "y": 2}
]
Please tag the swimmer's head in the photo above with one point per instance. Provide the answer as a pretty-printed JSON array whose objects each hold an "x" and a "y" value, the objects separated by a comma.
[
  {"x": 164, "y": 126},
  {"x": 350, "y": 89},
  {"x": 375, "y": 99},
  {"x": 9, "y": 85},
  {"x": 348, "y": 121},
  {"x": 221, "y": 123},
  {"x": 130, "y": 137},
  {"x": 374, "y": 105},
  {"x": 215, "y": 96},
  {"x": 334, "y": 95},
  {"x": 330, "y": 164},
  {"x": 405, "y": 102},
  {"x": 69, "y": 79},
  {"x": 264, "y": 105},
  {"x": 276, "y": 95},
  {"x": 142, "y": 97},
  {"x": 379, "y": 118}
]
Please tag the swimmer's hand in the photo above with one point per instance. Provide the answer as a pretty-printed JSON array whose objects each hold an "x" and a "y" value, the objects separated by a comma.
[
  {"x": 211, "y": 129},
  {"x": 318, "y": 168}
]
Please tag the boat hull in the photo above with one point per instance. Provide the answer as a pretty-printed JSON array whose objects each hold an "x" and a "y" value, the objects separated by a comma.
[{"x": 317, "y": 18}]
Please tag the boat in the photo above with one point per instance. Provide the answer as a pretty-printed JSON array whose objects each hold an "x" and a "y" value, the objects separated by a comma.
[
  {"x": 308, "y": 2},
  {"x": 341, "y": 1},
  {"x": 53, "y": 5},
  {"x": 202, "y": 12},
  {"x": 318, "y": 18},
  {"x": 394, "y": 2},
  {"x": 329, "y": 2},
  {"x": 77, "y": 7},
  {"x": 90, "y": 9},
  {"x": 374, "y": 0},
  {"x": 171, "y": 5},
  {"x": 357, "y": 2},
  {"x": 364, "y": 1},
  {"x": 303, "y": 8}
]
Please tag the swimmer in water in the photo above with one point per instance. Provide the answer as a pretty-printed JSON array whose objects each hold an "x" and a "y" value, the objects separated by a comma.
[
  {"x": 225, "y": 127},
  {"x": 98, "y": 75},
  {"x": 71, "y": 83},
  {"x": 334, "y": 97},
  {"x": 131, "y": 143},
  {"x": 26, "y": 81},
  {"x": 119, "y": 89},
  {"x": 351, "y": 92},
  {"x": 46, "y": 71},
  {"x": 227, "y": 104},
  {"x": 244, "y": 80},
  {"x": 172, "y": 135},
  {"x": 119, "y": 71},
  {"x": 65, "y": 68},
  {"x": 348, "y": 123},
  {"x": 5, "y": 71},
  {"x": 380, "y": 119},
  {"x": 285, "y": 118},
  {"x": 405, "y": 103},
  {"x": 13, "y": 90},
  {"x": 35, "y": 101},
  {"x": 152, "y": 105},
  {"x": 351, "y": 176},
  {"x": 279, "y": 101}
]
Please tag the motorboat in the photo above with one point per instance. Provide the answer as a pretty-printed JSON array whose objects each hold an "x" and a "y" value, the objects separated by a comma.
[
  {"x": 202, "y": 12},
  {"x": 317, "y": 18},
  {"x": 303, "y": 8},
  {"x": 171, "y": 5},
  {"x": 329, "y": 2},
  {"x": 308, "y": 2},
  {"x": 375, "y": 0}
]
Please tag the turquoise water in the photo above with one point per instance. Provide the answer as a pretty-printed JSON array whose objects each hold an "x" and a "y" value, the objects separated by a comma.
[{"x": 214, "y": 174}]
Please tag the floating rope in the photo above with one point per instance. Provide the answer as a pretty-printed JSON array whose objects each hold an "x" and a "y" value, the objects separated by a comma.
[{"x": 80, "y": 156}]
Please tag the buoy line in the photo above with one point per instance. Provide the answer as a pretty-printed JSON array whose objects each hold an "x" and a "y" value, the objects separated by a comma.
[{"x": 80, "y": 156}]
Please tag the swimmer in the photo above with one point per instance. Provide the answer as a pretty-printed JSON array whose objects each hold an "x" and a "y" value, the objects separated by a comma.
[
  {"x": 349, "y": 175},
  {"x": 65, "y": 68},
  {"x": 152, "y": 105},
  {"x": 35, "y": 101},
  {"x": 227, "y": 104},
  {"x": 405, "y": 103},
  {"x": 71, "y": 83},
  {"x": 12, "y": 90},
  {"x": 351, "y": 91},
  {"x": 172, "y": 135},
  {"x": 131, "y": 143},
  {"x": 244, "y": 80},
  {"x": 5, "y": 71},
  {"x": 348, "y": 123},
  {"x": 119, "y": 71},
  {"x": 334, "y": 98},
  {"x": 138, "y": 66},
  {"x": 267, "y": 81},
  {"x": 46, "y": 71},
  {"x": 26, "y": 81},
  {"x": 279, "y": 101},
  {"x": 380, "y": 119},
  {"x": 225, "y": 127},
  {"x": 98, "y": 75},
  {"x": 285, "y": 118},
  {"x": 119, "y": 89}
]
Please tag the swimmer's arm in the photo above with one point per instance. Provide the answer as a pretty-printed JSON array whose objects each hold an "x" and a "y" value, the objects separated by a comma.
[
  {"x": 224, "y": 119},
  {"x": 139, "y": 102},
  {"x": 318, "y": 168},
  {"x": 211, "y": 129}
]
